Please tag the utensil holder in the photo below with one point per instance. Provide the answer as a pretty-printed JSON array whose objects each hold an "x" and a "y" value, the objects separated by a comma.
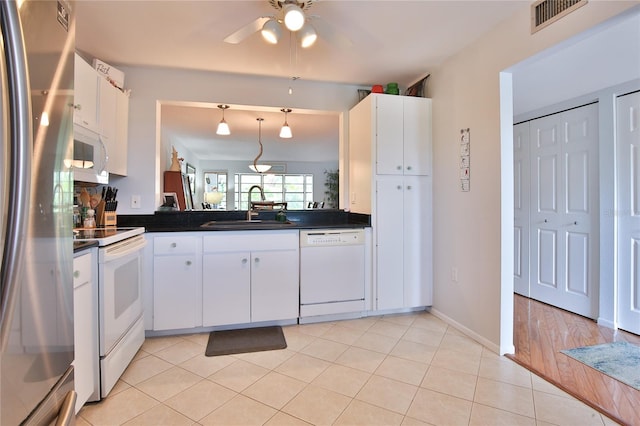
[{"x": 106, "y": 218}]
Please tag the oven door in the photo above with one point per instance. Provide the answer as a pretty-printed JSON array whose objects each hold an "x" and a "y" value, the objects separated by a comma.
[{"x": 120, "y": 289}]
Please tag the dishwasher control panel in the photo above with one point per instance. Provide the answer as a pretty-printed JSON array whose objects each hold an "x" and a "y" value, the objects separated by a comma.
[{"x": 331, "y": 237}]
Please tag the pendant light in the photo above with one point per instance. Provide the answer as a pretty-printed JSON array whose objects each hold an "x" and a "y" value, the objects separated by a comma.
[
  {"x": 223, "y": 127},
  {"x": 285, "y": 131},
  {"x": 259, "y": 168}
]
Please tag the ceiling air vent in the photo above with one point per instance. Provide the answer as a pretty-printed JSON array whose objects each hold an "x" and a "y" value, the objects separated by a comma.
[{"x": 545, "y": 12}]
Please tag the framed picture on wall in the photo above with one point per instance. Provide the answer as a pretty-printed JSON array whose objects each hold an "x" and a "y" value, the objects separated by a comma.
[
  {"x": 191, "y": 174},
  {"x": 170, "y": 199}
]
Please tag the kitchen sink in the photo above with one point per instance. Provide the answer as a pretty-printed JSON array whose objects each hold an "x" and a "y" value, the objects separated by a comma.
[{"x": 246, "y": 224}]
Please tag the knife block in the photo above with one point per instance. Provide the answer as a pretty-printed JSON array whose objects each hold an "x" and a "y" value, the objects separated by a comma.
[{"x": 105, "y": 218}]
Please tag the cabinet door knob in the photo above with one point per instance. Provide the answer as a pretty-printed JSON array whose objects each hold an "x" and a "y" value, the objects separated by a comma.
[
  {"x": 257, "y": 260},
  {"x": 399, "y": 168},
  {"x": 408, "y": 186},
  {"x": 408, "y": 167},
  {"x": 76, "y": 274},
  {"x": 244, "y": 260},
  {"x": 545, "y": 221},
  {"x": 399, "y": 187},
  {"x": 77, "y": 107},
  {"x": 188, "y": 263},
  {"x": 174, "y": 245}
]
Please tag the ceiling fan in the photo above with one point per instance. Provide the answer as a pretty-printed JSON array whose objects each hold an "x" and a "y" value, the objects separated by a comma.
[{"x": 291, "y": 17}]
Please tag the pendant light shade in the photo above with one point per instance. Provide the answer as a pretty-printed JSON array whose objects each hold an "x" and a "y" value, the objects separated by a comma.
[
  {"x": 285, "y": 131},
  {"x": 259, "y": 168},
  {"x": 223, "y": 127},
  {"x": 293, "y": 17},
  {"x": 308, "y": 35},
  {"x": 271, "y": 31}
]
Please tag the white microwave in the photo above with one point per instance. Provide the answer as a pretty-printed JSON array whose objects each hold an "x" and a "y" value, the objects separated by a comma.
[{"x": 89, "y": 157}]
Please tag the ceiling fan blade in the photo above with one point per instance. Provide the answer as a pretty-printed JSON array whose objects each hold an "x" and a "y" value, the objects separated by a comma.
[
  {"x": 329, "y": 32},
  {"x": 247, "y": 30}
]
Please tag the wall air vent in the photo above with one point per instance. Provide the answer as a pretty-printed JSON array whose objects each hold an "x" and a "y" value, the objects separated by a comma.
[{"x": 545, "y": 12}]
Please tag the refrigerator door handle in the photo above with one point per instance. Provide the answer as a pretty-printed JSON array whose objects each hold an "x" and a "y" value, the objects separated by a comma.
[
  {"x": 20, "y": 137},
  {"x": 67, "y": 414}
]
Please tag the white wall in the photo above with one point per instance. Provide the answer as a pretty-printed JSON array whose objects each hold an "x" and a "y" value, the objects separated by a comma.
[
  {"x": 151, "y": 85},
  {"x": 473, "y": 230}
]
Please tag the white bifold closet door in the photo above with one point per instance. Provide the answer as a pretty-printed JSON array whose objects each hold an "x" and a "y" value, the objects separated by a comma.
[
  {"x": 564, "y": 217},
  {"x": 628, "y": 211},
  {"x": 521, "y": 208}
]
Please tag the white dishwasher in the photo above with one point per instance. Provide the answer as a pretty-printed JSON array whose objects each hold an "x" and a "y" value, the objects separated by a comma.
[{"x": 332, "y": 271}]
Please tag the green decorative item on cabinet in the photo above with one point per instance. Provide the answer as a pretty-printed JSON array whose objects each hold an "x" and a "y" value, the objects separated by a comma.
[{"x": 332, "y": 185}]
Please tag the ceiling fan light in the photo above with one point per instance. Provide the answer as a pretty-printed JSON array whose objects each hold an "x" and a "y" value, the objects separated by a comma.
[
  {"x": 271, "y": 31},
  {"x": 308, "y": 36},
  {"x": 293, "y": 17},
  {"x": 223, "y": 127}
]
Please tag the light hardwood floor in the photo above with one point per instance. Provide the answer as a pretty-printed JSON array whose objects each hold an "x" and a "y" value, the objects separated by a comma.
[{"x": 541, "y": 331}]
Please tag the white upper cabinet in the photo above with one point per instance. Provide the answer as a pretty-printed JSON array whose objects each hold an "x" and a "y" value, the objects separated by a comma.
[
  {"x": 85, "y": 95},
  {"x": 403, "y": 135},
  {"x": 113, "y": 122},
  {"x": 104, "y": 109}
]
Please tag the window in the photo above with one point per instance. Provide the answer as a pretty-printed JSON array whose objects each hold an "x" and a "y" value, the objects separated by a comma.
[
  {"x": 216, "y": 181},
  {"x": 295, "y": 190}
]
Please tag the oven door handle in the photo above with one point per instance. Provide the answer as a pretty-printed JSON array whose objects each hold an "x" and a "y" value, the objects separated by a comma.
[{"x": 123, "y": 248}]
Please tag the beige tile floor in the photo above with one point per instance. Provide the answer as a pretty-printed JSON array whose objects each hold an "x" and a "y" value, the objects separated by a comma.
[{"x": 409, "y": 369}]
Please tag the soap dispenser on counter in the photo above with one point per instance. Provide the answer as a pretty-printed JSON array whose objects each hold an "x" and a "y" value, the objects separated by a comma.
[{"x": 281, "y": 216}]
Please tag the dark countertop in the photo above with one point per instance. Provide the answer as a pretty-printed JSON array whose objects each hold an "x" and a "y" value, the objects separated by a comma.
[
  {"x": 79, "y": 246},
  {"x": 192, "y": 220}
]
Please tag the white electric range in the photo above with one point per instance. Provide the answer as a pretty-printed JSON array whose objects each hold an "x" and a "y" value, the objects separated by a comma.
[
  {"x": 120, "y": 306},
  {"x": 106, "y": 236}
]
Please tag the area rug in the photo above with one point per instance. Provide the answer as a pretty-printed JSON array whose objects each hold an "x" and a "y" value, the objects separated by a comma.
[
  {"x": 620, "y": 360},
  {"x": 227, "y": 342}
]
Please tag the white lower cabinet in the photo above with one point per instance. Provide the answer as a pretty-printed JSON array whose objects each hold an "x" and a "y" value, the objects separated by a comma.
[
  {"x": 226, "y": 289},
  {"x": 85, "y": 321},
  {"x": 274, "y": 284},
  {"x": 403, "y": 241},
  {"x": 250, "y": 276},
  {"x": 177, "y": 282},
  {"x": 204, "y": 279}
]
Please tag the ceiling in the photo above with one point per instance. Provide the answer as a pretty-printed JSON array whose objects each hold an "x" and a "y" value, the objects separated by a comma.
[{"x": 359, "y": 42}]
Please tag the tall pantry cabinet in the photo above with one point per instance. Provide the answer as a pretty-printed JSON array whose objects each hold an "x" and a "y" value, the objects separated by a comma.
[{"x": 390, "y": 179}]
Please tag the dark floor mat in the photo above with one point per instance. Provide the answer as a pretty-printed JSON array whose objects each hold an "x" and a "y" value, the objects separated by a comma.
[{"x": 228, "y": 342}]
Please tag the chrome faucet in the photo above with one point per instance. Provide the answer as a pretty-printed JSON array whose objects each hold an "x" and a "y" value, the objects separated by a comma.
[{"x": 250, "y": 212}]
